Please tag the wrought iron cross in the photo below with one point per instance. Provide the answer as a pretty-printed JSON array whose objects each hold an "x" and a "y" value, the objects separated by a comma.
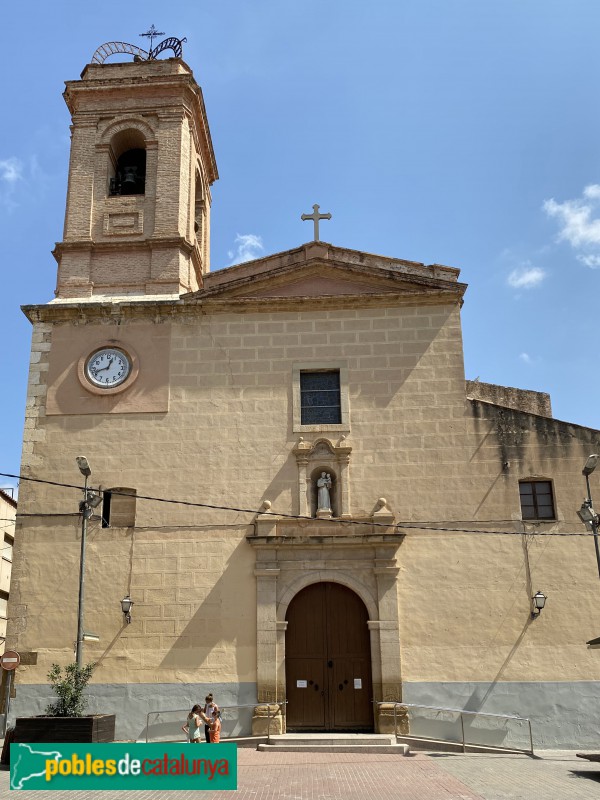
[
  {"x": 152, "y": 34},
  {"x": 315, "y": 216}
]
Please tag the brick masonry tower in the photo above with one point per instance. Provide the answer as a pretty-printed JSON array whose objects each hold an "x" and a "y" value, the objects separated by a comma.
[{"x": 137, "y": 216}]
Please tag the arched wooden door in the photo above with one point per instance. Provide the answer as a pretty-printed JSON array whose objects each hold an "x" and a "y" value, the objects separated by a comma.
[{"x": 328, "y": 661}]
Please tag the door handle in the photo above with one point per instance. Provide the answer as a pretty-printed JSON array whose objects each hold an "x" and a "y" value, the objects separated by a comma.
[{"x": 330, "y": 664}]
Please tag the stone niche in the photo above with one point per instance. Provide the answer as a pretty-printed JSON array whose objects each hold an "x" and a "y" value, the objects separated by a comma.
[{"x": 312, "y": 460}]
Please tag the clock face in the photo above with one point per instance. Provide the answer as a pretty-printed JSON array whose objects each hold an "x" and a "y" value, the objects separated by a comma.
[{"x": 108, "y": 367}]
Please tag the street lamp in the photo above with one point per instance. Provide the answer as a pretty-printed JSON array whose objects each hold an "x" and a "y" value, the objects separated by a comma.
[
  {"x": 84, "y": 466},
  {"x": 89, "y": 502},
  {"x": 591, "y": 464},
  {"x": 586, "y": 513}
]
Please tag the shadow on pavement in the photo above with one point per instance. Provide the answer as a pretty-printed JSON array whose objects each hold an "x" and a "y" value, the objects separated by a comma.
[
  {"x": 455, "y": 755},
  {"x": 591, "y": 775},
  {"x": 443, "y": 755}
]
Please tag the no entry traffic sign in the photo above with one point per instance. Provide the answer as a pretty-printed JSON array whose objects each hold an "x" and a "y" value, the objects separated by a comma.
[{"x": 10, "y": 659}]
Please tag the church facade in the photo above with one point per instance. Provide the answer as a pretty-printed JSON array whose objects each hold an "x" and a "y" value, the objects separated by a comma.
[{"x": 358, "y": 524}]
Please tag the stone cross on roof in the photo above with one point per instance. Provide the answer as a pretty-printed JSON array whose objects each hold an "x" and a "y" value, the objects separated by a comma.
[{"x": 315, "y": 216}]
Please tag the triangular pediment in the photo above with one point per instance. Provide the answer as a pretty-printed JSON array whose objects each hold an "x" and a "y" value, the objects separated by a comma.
[
  {"x": 319, "y": 280},
  {"x": 318, "y": 271}
]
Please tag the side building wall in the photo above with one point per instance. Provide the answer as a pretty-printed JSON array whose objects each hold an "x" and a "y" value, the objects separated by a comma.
[{"x": 8, "y": 512}]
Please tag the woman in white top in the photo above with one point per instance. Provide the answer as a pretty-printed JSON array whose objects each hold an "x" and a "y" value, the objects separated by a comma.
[{"x": 193, "y": 725}]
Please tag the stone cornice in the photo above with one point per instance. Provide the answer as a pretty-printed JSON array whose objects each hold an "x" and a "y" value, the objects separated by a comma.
[
  {"x": 327, "y": 302},
  {"x": 130, "y": 308},
  {"x": 153, "y": 243},
  {"x": 103, "y": 310},
  {"x": 357, "y": 540}
]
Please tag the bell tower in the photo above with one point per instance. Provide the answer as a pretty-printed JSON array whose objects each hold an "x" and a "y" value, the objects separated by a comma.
[{"x": 137, "y": 218}]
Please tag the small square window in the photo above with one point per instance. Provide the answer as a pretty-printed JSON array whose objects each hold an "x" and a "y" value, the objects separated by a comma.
[
  {"x": 537, "y": 500},
  {"x": 320, "y": 400},
  {"x": 320, "y": 397}
]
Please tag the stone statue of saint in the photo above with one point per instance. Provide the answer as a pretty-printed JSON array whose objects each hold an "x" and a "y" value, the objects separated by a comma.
[{"x": 323, "y": 487}]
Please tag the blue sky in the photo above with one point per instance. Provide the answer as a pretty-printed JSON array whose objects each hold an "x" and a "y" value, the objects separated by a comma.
[{"x": 462, "y": 132}]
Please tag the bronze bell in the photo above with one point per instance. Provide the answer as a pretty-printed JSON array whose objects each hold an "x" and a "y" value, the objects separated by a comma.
[{"x": 129, "y": 181}]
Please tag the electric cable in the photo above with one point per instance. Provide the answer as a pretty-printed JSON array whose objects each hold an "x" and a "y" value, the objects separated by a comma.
[{"x": 399, "y": 526}]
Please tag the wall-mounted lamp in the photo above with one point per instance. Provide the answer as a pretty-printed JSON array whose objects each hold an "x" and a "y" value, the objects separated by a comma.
[
  {"x": 126, "y": 604},
  {"x": 90, "y": 637},
  {"x": 587, "y": 515},
  {"x": 538, "y": 602},
  {"x": 92, "y": 500}
]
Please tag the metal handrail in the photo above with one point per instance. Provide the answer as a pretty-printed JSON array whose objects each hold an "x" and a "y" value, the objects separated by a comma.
[
  {"x": 221, "y": 708},
  {"x": 461, "y": 712}
]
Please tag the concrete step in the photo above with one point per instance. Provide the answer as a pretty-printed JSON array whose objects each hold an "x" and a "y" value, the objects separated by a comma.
[
  {"x": 398, "y": 749},
  {"x": 333, "y": 738},
  {"x": 333, "y": 743}
]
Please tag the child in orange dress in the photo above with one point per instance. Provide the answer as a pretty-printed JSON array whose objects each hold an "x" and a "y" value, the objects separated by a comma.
[
  {"x": 215, "y": 727},
  {"x": 207, "y": 714}
]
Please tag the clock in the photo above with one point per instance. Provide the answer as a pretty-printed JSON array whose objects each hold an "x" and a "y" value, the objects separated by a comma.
[{"x": 107, "y": 367}]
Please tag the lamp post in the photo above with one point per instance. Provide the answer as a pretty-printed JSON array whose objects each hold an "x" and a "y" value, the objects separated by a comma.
[
  {"x": 586, "y": 513},
  {"x": 90, "y": 501}
]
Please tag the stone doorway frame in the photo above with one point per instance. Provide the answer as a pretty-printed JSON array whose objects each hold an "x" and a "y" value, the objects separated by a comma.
[{"x": 289, "y": 558}]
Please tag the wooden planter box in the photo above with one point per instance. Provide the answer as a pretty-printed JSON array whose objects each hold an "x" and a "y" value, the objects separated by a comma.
[{"x": 97, "y": 728}]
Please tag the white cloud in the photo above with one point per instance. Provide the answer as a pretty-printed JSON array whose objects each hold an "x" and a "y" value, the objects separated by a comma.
[
  {"x": 579, "y": 223},
  {"x": 592, "y": 192},
  {"x": 526, "y": 277},
  {"x": 11, "y": 170},
  {"x": 592, "y": 261},
  {"x": 525, "y": 358},
  {"x": 248, "y": 247}
]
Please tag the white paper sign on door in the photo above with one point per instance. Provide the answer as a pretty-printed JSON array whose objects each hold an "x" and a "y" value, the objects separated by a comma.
[
  {"x": 301, "y": 684},
  {"x": 358, "y": 683}
]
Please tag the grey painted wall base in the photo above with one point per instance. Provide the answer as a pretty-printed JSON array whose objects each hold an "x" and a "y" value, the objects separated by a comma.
[
  {"x": 563, "y": 715},
  {"x": 132, "y": 702}
]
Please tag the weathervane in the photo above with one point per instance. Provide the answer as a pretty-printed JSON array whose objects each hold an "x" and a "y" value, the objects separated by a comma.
[
  {"x": 152, "y": 34},
  {"x": 315, "y": 216}
]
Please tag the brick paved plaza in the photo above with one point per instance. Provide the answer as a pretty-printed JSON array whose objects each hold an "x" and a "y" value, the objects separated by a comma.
[{"x": 554, "y": 775}]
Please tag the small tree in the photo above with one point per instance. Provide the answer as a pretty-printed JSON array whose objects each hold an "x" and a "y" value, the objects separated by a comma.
[{"x": 69, "y": 690}]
